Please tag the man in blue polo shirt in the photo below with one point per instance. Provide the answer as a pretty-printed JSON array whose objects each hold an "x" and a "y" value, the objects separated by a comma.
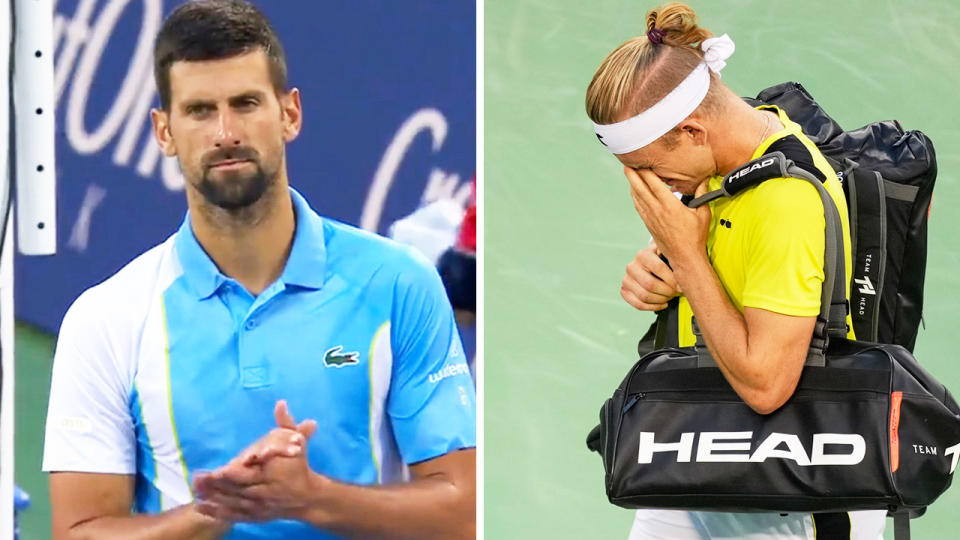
[{"x": 175, "y": 365}]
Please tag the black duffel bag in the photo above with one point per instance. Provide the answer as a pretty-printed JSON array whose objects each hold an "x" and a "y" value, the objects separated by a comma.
[{"x": 867, "y": 427}]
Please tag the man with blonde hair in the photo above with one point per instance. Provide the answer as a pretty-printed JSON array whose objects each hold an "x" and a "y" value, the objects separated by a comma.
[{"x": 749, "y": 267}]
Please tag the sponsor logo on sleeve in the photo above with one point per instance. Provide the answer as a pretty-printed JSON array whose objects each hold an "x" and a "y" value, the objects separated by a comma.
[
  {"x": 74, "y": 424},
  {"x": 450, "y": 370}
]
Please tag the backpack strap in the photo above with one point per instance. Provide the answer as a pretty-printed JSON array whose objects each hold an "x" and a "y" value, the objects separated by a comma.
[
  {"x": 663, "y": 333},
  {"x": 868, "y": 219},
  {"x": 833, "y": 298},
  {"x": 901, "y": 526}
]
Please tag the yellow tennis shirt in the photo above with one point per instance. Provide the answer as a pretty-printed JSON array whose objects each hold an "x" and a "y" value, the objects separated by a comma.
[{"x": 766, "y": 243}]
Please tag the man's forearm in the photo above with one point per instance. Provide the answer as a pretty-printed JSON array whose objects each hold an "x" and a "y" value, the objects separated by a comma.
[
  {"x": 426, "y": 508},
  {"x": 722, "y": 326},
  {"x": 182, "y": 523},
  {"x": 760, "y": 352}
]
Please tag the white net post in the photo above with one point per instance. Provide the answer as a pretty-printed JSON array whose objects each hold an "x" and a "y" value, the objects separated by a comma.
[{"x": 33, "y": 97}]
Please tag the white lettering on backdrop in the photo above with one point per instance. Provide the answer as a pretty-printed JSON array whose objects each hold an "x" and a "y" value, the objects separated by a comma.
[{"x": 440, "y": 184}]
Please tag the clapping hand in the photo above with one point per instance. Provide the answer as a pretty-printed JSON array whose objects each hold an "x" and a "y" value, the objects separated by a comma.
[{"x": 269, "y": 480}]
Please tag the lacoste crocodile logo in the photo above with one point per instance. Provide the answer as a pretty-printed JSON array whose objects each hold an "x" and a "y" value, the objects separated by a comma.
[{"x": 333, "y": 357}]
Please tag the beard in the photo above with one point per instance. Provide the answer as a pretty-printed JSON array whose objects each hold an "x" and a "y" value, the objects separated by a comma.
[{"x": 236, "y": 189}]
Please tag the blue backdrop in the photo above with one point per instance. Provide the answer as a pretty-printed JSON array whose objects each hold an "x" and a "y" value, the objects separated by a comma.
[{"x": 389, "y": 102}]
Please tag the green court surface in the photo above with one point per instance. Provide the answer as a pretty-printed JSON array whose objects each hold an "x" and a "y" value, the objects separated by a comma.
[
  {"x": 34, "y": 356},
  {"x": 560, "y": 226}
]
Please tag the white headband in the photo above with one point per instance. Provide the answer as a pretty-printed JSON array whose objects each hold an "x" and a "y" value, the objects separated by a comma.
[{"x": 648, "y": 126}]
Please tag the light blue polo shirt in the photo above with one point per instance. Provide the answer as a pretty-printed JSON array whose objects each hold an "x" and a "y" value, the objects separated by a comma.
[{"x": 170, "y": 367}]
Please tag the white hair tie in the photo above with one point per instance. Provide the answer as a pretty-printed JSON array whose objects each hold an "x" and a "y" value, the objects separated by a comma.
[
  {"x": 716, "y": 50},
  {"x": 639, "y": 131}
]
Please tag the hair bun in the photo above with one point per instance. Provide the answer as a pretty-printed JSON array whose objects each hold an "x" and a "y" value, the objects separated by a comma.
[{"x": 676, "y": 25}]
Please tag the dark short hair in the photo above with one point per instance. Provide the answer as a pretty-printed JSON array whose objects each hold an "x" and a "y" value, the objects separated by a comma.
[{"x": 212, "y": 30}]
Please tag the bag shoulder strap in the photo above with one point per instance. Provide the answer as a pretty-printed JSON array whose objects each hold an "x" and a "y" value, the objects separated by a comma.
[{"x": 764, "y": 168}]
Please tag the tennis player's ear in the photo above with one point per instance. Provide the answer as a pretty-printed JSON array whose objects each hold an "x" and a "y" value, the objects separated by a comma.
[
  {"x": 291, "y": 113},
  {"x": 694, "y": 130},
  {"x": 161, "y": 131}
]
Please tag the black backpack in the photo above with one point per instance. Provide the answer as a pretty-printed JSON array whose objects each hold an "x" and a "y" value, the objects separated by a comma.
[{"x": 887, "y": 176}]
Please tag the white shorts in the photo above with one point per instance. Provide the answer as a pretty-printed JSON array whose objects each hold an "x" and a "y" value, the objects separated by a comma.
[{"x": 655, "y": 524}]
